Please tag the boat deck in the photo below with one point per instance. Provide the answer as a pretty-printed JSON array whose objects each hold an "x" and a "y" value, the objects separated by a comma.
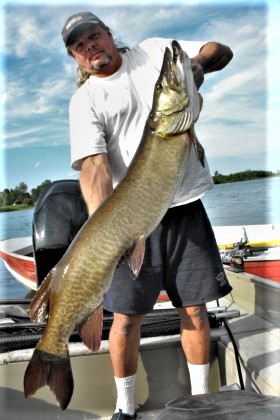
[{"x": 162, "y": 374}]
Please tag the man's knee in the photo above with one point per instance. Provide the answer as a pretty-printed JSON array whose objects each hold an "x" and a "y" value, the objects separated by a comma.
[
  {"x": 126, "y": 324},
  {"x": 194, "y": 316}
]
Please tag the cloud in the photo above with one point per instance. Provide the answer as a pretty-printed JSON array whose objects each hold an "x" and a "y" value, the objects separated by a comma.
[
  {"x": 40, "y": 77},
  {"x": 239, "y": 82},
  {"x": 13, "y": 139},
  {"x": 26, "y": 35}
]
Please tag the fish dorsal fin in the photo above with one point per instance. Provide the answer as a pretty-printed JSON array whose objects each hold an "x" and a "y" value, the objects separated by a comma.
[
  {"x": 38, "y": 309},
  {"x": 135, "y": 259},
  {"x": 90, "y": 330}
]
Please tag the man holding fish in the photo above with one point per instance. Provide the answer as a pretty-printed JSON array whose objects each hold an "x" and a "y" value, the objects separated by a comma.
[
  {"x": 147, "y": 227},
  {"x": 107, "y": 117}
]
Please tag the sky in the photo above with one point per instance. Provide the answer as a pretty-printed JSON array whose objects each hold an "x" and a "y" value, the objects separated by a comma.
[{"x": 238, "y": 125}]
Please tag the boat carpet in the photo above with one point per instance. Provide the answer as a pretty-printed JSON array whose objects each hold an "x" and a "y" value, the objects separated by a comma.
[{"x": 24, "y": 334}]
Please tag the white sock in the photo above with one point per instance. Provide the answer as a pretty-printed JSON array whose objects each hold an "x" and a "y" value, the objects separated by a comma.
[
  {"x": 125, "y": 394},
  {"x": 199, "y": 378}
]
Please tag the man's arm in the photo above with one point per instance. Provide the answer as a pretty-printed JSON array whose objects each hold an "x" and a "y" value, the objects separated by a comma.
[
  {"x": 212, "y": 56},
  {"x": 95, "y": 180}
]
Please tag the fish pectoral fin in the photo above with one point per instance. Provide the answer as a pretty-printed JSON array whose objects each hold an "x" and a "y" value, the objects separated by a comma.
[
  {"x": 38, "y": 309},
  {"x": 136, "y": 257},
  {"x": 90, "y": 330},
  {"x": 48, "y": 369},
  {"x": 199, "y": 149}
]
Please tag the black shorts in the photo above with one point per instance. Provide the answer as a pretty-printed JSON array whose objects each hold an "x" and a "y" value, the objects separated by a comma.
[{"x": 181, "y": 257}]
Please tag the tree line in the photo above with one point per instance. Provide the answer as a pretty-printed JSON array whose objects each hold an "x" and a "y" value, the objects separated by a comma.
[
  {"x": 247, "y": 175},
  {"x": 20, "y": 194}
]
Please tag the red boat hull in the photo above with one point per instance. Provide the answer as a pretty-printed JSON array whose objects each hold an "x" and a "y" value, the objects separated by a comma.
[
  {"x": 25, "y": 268},
  {"x": 267, "y": 269},
  {"x": 17, "y": 256}
]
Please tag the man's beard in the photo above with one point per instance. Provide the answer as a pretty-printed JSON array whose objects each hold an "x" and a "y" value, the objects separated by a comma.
[{"x": 105, "y": 61}]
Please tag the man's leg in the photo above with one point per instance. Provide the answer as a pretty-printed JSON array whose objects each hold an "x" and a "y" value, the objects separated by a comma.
[
  {"x": 124, "y": 341},
  {"x": 195, "y": 337}
]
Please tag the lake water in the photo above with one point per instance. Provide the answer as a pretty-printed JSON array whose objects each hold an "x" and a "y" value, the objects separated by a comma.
[
  {"x": 239, "y": 203},
  {"x": 244, "y": 203}
]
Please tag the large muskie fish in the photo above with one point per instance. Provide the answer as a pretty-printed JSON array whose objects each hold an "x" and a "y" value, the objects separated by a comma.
[{"x": 72, "y": 292}]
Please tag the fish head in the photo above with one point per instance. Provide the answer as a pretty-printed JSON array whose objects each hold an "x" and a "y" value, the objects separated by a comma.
[{"x": 176, "y": 102}]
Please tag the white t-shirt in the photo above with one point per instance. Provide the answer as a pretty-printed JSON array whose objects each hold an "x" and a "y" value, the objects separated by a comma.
[{"x": 107, "y": 115}]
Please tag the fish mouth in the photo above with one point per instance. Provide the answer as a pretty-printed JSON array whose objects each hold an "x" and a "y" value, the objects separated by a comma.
[
  {"x": 175, "y": 107},
  {"x": 177, "y": 69},
  {"x": 171, "y": 88},
  {"x": 176, "y": 52}
]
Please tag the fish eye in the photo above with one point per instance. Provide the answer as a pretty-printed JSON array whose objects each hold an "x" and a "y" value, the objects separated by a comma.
[{"x": 158, "y": 86}]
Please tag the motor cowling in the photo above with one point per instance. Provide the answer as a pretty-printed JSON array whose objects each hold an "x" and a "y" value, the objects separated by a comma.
[{"x": 59, "y": 214}]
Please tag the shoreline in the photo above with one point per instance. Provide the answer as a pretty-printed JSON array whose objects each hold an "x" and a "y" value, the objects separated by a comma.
[{"x": 15, "y": 207}]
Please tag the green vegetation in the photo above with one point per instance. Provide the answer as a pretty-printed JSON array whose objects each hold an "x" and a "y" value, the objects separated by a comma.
[
  {"x": 19, "y": 198},
  {"x": 15, "y": 207},
  {"x": 247, "y": 175}
]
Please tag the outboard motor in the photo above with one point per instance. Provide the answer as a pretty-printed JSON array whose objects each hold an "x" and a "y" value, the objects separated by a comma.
[{"x": 59, "y": 214}]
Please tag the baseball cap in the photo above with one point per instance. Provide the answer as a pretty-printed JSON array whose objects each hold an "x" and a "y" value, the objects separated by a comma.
[{"x": 74, "y": 21}]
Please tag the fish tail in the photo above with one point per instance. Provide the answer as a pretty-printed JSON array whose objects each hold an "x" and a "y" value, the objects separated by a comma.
[{"x": 48, "y": 369}]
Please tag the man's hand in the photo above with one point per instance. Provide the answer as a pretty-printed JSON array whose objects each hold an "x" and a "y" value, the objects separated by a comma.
[{"x": 213, "y": 57}]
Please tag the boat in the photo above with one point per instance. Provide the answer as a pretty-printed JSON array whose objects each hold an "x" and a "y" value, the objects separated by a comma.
[
  {"x": 256, "y": 252},
  {"x": 245, "y": 347},
  {"x": 18, "y": 257},
  {"x": 244, "y": 362},
  {"x": 253, "y": 249}
]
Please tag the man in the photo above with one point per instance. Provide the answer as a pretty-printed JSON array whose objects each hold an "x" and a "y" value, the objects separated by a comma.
[{"x": 107, "y": 117}]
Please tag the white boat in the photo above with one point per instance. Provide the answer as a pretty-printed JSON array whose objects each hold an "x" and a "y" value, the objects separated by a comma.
[{"x": 245, "y": 353}]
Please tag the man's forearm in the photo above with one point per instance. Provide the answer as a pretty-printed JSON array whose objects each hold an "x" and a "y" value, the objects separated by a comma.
[{"x": 95, "y": 181}]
